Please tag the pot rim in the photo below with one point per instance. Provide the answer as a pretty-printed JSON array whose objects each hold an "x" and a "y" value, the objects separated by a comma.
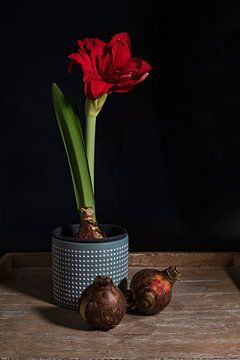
[{"x": 57, "y": 233}]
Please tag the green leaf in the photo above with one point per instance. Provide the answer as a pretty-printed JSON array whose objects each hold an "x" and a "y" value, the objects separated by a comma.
[{"x": 72, "y": 135}]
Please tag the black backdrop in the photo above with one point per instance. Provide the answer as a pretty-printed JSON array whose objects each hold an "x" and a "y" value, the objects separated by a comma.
[{"x": 167, "y": 153}]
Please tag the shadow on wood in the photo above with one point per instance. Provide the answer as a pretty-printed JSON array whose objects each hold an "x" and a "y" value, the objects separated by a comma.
[
  {"x": 234, "y": 274},
  {"x": 62, "y": 317},
  {"x": 34, "y": 282}
]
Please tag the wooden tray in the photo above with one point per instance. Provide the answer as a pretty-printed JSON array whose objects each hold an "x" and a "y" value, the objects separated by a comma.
[{"x": 201, "y": 322}]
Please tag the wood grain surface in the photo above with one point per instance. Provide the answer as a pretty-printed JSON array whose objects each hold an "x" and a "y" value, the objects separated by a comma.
[
  {"x": 136, "y": 259},
  {"x": 201, "y": 322}
]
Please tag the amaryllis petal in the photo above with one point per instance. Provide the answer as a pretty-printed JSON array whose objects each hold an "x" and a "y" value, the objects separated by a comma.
[
  {"x": 92, "y": 48},
  {"x": 122, "y": 89},
  {"x": 118, "y": 51},
  {"x": 135, "y": 66},
  {"x": 102, "y": 63},
  {"x": 120, "y": 54},
  {"x": 91, "y": 76},
  {"x": 123, "y": 36},
  {"x": 105, "y": 64},
  {"x": 144, "y": 76},
  {"x": 92, "y": 44},
  {"x": 94, "y": 89},
  {"x": 83, "y": 59},
  {"x": 125, "y": 86},
  {"x": 142, "y": 65}
]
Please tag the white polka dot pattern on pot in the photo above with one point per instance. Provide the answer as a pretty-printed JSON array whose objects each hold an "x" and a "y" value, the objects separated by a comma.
[{"x": 73, "y": 270}]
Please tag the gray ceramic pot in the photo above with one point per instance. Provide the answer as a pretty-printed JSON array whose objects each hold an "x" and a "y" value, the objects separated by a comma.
[{"x": 75, "y": 264}]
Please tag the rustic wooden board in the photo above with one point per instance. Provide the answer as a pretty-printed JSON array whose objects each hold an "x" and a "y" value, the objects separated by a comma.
[
  {"x": 196, "y": 259},
  {"x": 201, "y": 322}
]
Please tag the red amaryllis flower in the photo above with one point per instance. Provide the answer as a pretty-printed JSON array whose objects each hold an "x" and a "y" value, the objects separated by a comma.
[{"x": 108, "y": 67}]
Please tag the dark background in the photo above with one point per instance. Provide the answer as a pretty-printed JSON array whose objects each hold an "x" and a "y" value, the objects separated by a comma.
[{"x": 167, "y": 153}]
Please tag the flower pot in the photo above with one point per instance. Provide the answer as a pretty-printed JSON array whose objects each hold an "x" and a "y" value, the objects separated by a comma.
[{"x": 75, "y": 264}]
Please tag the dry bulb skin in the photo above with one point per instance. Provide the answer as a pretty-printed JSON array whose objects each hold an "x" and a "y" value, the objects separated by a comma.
[
  {"x": 102, "y": 304},
  {"x": 151, "y": 290},
  {"x": 88, "y": 226}
]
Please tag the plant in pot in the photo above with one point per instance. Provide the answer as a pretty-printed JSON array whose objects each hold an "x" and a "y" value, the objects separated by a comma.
[{"x": 82, "y": 251}]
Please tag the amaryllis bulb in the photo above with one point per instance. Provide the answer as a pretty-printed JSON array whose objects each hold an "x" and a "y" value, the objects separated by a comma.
[
  {"x": 151, "y": 289},
  {"x": 102, "y": 304}
]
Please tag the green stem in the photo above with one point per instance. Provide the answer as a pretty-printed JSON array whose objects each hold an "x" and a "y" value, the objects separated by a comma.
[
  {"x": 92, "y": 109},
  {"x": 90, "y": 143}
]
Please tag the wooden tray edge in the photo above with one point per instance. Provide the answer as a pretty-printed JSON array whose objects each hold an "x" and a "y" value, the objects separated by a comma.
[
  {"x": 189, "y": 259},
  {"x": 136, "y": 259}
]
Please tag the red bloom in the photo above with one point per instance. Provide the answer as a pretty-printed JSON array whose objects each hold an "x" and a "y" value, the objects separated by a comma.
[{"x": 108, "y": 67}]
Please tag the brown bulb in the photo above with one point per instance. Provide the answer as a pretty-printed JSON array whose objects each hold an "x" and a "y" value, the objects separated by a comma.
[
  {"x": 102, "y": 304},
  {"x": 151, "y": 289}
]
